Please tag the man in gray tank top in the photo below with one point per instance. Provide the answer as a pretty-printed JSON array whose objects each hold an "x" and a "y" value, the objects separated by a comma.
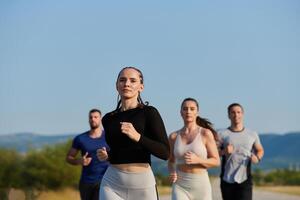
[{"x": 239, "y": 147}]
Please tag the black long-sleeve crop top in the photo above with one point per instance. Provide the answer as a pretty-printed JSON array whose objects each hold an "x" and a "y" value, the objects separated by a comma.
[{"x": 146, "y": 121}]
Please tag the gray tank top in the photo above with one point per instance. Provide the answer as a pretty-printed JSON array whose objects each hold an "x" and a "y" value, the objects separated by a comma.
[{"x": 196, "y": 146}]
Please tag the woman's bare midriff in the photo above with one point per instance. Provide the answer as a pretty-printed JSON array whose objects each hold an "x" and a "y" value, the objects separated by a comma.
[
  {"x": 132, "y": 167},
  {"x": 191, "y": 169}
]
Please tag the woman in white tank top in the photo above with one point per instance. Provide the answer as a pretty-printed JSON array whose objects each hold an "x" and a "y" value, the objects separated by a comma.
[{"x": 193, "y": 150}]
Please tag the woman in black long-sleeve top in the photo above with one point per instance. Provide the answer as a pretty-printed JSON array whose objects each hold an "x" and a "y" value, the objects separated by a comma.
[{"x": 134, "y": 132}]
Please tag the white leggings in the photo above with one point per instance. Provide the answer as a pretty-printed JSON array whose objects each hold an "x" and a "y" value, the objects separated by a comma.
[
  {"x": 121, "y": 185},
  {"x": 191, "y": 187}
]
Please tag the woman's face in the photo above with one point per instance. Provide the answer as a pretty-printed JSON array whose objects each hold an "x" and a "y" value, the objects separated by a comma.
[
  {"x": 129, "y": 84},
  {"x": 189, "y": 111}
]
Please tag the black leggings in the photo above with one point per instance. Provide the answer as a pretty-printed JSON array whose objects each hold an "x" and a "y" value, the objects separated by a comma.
[
  {"x": 235, "y": 191},
  {"x": 89, "y": 191}
]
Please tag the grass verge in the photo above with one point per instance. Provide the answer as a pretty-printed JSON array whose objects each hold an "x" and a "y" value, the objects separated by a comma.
[{"x": 294, "y": 190}]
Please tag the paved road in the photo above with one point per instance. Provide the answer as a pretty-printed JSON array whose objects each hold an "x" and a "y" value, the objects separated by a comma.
[{"x": 257, "y": 194}]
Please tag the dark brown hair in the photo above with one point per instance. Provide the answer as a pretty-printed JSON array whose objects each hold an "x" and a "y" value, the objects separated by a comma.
[
  {"x": 95, "y": 110},
  {"x": 203, "y": 122},
  {"x": 233, "y": 105}
]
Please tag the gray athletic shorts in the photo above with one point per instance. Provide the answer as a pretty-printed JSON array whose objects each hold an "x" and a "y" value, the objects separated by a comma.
[
  {"x": 121, "y": 185},
  {"x": 190, "y": 186}
]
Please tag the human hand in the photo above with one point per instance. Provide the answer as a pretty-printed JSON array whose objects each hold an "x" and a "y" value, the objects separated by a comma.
[
  {"x": 102, "y": 154},
  {"x": 85, "y": 161},
  {"x": 254, "y": 158},
  {"x": 128, "y": 129},
  {"x": 229, "y": 149},
  {"x": 191, "y": 158},
  {"x": 173, "y": 177}
]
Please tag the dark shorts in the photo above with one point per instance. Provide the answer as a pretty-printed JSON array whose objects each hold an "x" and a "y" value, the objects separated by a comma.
[
  {"x": 237, "y": 191},
  {"x": 89, "y": 191}
]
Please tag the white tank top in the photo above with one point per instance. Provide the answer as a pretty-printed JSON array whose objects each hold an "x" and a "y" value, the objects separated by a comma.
[{"x": 196, "y": 146}]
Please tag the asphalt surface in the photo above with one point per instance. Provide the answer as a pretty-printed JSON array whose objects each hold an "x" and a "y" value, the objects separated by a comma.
[{"x": 257, "y": 194}]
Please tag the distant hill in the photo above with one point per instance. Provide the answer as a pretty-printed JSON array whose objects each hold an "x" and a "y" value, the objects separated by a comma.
[
  {"x": 22, "y": 142},
  {"x": 281, "y": 151}
]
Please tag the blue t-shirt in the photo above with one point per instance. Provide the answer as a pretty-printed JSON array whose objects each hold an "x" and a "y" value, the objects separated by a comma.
[{"x": 94, "y": 172}]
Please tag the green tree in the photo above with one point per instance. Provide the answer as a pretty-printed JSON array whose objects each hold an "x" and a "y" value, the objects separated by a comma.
[
  {"x": 258, "y": 177},
  {"x": 47, "y": 169},
  {"x": 9, "y": 171}
]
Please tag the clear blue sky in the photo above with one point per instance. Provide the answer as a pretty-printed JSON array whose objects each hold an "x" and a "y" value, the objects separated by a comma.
[{"x": 60, "y": 58}]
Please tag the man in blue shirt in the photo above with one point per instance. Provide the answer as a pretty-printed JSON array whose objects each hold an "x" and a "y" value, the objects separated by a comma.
[{"x": 92, "y": 168}]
